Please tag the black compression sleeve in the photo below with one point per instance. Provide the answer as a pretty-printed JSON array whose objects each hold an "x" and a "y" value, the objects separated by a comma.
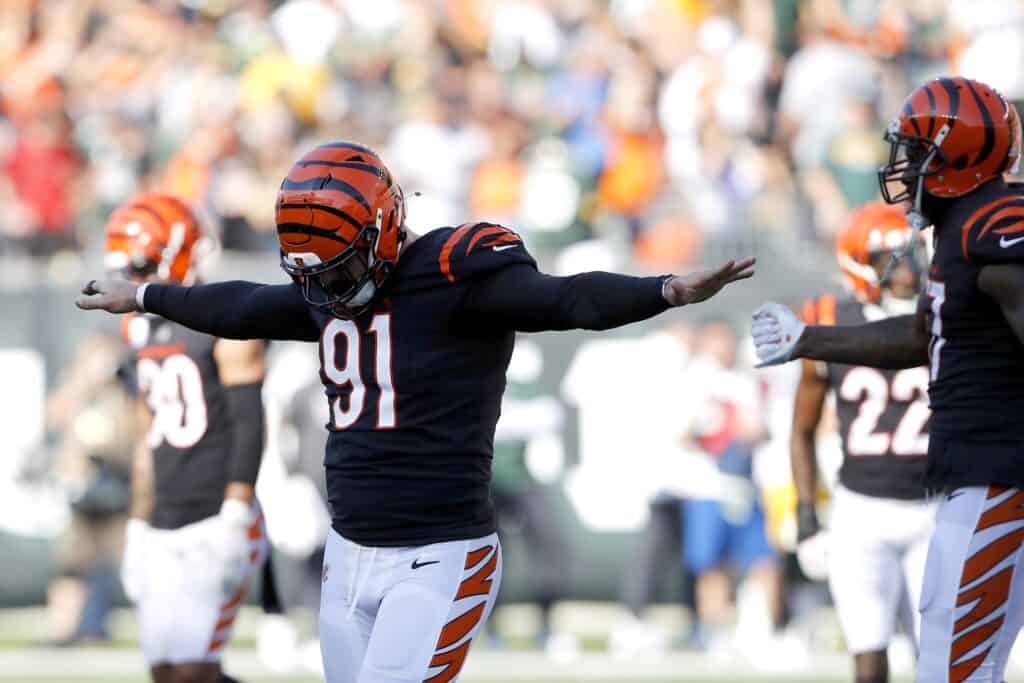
[
  {"x": 245, "y": 406},
  {"x": 235, "y": 310},
  {"x": 524, "y": 299}
]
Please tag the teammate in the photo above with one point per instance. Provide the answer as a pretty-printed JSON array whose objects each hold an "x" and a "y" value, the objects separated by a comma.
[
  {"x": 950, "y": 146},
  {"x": 195, "y": 538},
  {"x": 415, "y": 333},
  {"x": 880, "y": 522}
]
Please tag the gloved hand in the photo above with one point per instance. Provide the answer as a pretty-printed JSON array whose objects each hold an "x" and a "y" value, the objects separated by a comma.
[
  {"x": 776, "y": 331},
  {"x": 235, "y": 546},
  {"x": 811, "y": 543},
  {"x": 133, "y": 566}
]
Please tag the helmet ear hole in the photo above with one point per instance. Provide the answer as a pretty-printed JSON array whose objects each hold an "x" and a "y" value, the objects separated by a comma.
[{"x": 961, "y": 162}]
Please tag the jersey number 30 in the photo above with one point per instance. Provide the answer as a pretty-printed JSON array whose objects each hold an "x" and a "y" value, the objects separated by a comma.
[
  {"x": 174, "y": 392},
  {"x": 348, "y": 374},
  {"x": 870, "y": 387}
]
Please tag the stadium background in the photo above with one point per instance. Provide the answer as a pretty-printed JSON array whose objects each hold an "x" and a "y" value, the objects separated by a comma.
[{"x": 644, "y": 136}]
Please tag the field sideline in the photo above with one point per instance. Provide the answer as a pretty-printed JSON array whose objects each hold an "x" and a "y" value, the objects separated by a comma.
[{"x": 123, "y": 665}]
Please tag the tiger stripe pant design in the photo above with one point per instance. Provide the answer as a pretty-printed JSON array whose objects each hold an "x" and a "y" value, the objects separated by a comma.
[
  {"x": 185, "y": 614},
  {"x": 404, "y": 615},
  {"x": 972, "y": 599}
]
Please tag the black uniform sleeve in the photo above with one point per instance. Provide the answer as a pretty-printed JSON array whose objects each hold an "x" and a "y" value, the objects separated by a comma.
[
  {"x": 521, "y": 298},
  {"x": 994, "y": 233},
  {"x": 236, "y": 310},
  {"x": 245, "y": 405}
]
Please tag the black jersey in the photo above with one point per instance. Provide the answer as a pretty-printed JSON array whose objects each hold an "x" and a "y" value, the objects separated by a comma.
[
  {"x": 190, "y": 433},
  {"x": 414, "y": 394},
  {"x": 415, "y": 384},
  {"x": 883, "y": 414},
  {"x": 977, "y": 363}
]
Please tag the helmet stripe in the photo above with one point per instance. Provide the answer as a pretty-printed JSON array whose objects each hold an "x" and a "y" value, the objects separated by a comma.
[
  {"x": 954, "y": 98},
  {"x": 302, "y": 228},
  {"x": 909, "y": 113},
  {"x": 327, "y": 209},
  {"x": 359, "y": 166},
  {"x": 931, "y": 112},
  {"x": 328, "y": 183},
  {"x": 986, "y": 118}
]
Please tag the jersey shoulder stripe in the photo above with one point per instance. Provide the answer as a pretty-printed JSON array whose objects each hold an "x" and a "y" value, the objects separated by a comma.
[
  {"x": 470, "y": 236},
  {"x": 1001, "y": 216}
]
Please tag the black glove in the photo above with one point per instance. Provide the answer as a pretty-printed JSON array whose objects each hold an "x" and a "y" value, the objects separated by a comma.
[{"x": 806, "y": 521}]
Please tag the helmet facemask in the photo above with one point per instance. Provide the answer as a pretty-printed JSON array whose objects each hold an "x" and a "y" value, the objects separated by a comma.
[
  {"x": 346, "y": 285},
  {"x": 911, "y": 159}
]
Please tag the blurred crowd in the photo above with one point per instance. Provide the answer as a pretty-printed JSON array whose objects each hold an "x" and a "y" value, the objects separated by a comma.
[{"x": 641, "y": 127}]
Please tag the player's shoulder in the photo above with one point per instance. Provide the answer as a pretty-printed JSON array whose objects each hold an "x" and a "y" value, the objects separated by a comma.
[
  {"x": 991, "y": 223},
  {"x": 474, "y": 249}
]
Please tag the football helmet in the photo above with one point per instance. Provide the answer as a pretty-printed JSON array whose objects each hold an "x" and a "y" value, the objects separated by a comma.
[
  {"x": 952, "y": 135},
  {"x": 874, "y": 228},
  {"x": 153, "y": 236},
  {"x": 340, "y": 223}
]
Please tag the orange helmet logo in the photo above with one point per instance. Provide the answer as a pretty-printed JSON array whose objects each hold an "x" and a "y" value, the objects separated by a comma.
[
  {"x": 951, "y": 136},
  {"x": 872, "y": 229},
  {"x": 153, "y": 234}
]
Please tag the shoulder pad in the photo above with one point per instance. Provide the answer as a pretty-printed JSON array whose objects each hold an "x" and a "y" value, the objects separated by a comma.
[
  {"x": 475, "y": 249},
  {"x": 994, "y": 232}
]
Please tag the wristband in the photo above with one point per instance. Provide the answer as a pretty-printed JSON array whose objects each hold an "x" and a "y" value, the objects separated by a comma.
[
  {"x": 140, "y": 297},
  {"x": 664, "y": 283}
]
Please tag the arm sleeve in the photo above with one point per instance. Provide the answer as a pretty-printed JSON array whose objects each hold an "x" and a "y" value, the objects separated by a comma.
[
  {"x": 245, "y": 406},
  {"x": 236, "y": 310},
  {"x": 524, "y": 299}
]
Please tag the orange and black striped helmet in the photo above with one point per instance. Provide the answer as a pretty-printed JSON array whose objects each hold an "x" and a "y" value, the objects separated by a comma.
[
  {"x": 153, "y": 236},
  {"x": 340, "y": 222},
  {"x": 952, "y": 135},
  {"x": 874, "y": 228}
]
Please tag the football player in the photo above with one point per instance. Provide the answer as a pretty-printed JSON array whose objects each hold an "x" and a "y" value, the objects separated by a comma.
[
  {"x": 880, "y": 521},
  {"x": 414, "y": 333},
  {"x": 951, "y": 144},
  {"x": 196, "y": 535}
]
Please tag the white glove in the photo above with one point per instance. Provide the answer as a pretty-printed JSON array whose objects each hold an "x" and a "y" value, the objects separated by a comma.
[
  {"x": 235, "y": 518},
  {"x": 812, "y": 554},
  {"x": 776, "y": 330},
  {"x": 133, "y": 568}
]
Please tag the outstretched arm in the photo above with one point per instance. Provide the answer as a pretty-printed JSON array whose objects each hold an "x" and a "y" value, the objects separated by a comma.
[
  {"x": 520, "y": 297},
  {"x": 230, "y": 310},
  {"x": 892, "y": 343}
]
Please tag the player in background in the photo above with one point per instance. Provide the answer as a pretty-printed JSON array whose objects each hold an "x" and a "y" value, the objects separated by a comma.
[
  {"x": 195, "y": 537},
  {"x": 875, "y": 548},
  {"x": 415, "y": 333},
  {"x": 951, "y": 143}
]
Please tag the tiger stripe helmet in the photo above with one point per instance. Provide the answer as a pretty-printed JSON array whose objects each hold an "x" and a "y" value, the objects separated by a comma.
[
  {"x": 951, "y": 136},
  {"x": 154, "y": 235},
  {"x": 872, "y": 229},
  {"x": 340, "y": 224}
]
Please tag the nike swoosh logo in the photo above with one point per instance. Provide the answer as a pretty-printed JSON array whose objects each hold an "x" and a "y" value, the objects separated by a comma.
[
  {"x": 509, "y": 246},
  {"x": 958, "y": 492},
  {"x": 1004, "y": 243},
  {"x": 416, "y": 564}
]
